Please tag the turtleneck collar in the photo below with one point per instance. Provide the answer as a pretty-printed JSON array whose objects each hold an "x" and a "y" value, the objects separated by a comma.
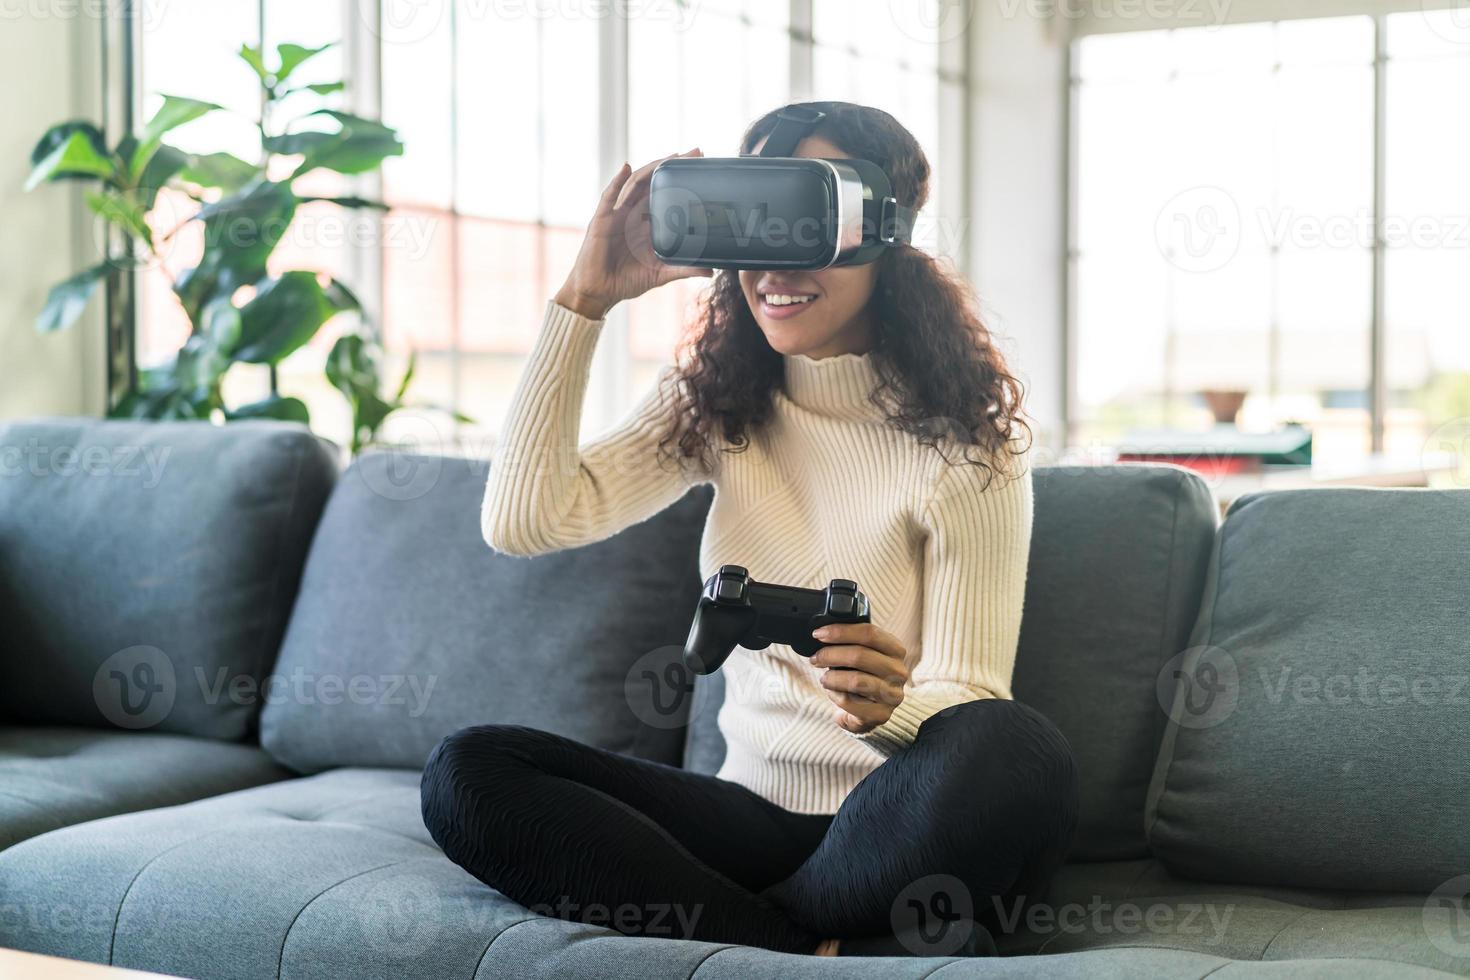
[{"x": 838, "y": 386}]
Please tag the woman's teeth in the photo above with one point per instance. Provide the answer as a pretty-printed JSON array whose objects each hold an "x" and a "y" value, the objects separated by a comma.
[{"x": 781, "y": 299}]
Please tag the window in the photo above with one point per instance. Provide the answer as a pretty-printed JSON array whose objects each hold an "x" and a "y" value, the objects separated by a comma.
[
  {"x": 513, "y": 116},
  {"x": 1225, "y": 229}
]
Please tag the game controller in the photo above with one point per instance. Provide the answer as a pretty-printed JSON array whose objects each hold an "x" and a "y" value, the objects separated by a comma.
[{"x": 735, "y": 610}]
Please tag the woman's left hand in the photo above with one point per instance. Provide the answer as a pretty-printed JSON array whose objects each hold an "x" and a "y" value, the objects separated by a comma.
[{"x": 872, "y": 687}]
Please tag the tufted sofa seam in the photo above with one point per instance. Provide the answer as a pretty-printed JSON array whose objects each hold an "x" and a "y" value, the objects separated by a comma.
[
  {"x": 286, "y": 937},
  {"x": 486, "y": 951},
  {"x": 123, "y": 900}
]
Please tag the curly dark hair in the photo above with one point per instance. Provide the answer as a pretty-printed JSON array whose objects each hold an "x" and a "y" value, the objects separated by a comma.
[{"x": 941, "y": 377}]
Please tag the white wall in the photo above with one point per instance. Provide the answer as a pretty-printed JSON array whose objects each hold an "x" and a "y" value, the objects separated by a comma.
[
  {"x": 48, "y": 74},
  {"x": 1018, "y": 240}
]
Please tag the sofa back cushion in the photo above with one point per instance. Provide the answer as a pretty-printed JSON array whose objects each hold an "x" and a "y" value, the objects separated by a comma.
[
  {"x": 147, "y": 569},
  {"x": 1318, "y": 732},
  {"x": 409, "y": 627},
  {"x": 1118, "y": 560}
]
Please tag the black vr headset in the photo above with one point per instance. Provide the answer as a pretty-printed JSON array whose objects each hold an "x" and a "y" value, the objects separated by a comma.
[{"x": 774, "y": 211}]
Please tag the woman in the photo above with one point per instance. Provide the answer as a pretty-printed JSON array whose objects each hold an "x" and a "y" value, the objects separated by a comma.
[{"x": 856, "y": 422}]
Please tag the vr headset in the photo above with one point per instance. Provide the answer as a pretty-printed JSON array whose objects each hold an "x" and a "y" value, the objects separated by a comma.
[{"x": 773, "y": 210}]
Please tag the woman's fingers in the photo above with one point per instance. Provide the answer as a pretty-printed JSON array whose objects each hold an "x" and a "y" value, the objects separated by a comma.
[
  {"x": 863, "y": 685},
  {"x": 614, "y": 187},
  {"x": 868, "y": 714},
  {"x": 862, "y": 658},
  {"x": 637, "y": 184},
  {"x": 863, "y": 635}
]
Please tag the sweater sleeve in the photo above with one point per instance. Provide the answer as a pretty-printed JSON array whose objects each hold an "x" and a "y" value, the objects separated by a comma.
[
  {"x": 545, "y": 492},
  {"x": 975, "y": 559}
]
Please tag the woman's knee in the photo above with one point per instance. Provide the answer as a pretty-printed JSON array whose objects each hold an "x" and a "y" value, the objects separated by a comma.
[
  {"x": 466, "y": 767},
  {"x": 1011, "y": 748}
]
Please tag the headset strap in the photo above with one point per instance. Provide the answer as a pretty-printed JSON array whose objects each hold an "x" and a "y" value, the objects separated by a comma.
[{"x": 792, "y": 125}]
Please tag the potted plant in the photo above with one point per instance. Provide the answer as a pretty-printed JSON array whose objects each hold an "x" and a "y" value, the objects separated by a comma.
[{"x": 237, "y": 310}]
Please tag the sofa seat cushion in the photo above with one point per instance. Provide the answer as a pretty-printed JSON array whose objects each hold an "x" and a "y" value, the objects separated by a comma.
[
  {"x": 147, "y": 569},
  {"x": 423, "y": 629},
  {"x": 1325, "y": 686},
  {"x": 1140, "y": 904},
  {"x": 54, "y": 777},
  {"x": 324, "y": 877}
]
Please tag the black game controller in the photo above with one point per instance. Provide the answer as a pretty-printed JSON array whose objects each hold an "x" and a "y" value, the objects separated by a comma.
[{"x": 737, "y": 610}]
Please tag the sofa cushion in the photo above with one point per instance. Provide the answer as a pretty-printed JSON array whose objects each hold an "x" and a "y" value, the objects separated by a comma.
[
  {"x": 1118, "y": 559},
  {"x": 53, "y": 777},
  {"x": 318, "y": 878},
  {"x": 404, "y": 602},
  {"x": 1318, "y": 732},
  {"x": 147, "y": 569},
  {"x": 1140, "y": 904}
]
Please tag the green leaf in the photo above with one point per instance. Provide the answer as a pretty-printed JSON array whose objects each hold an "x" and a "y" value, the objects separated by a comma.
[
  {"x": 206, "y": 355},
  {"x": 223, "y": 170},
  {"x": 167, "y": 162},
  {"x": 358, "y": 145},
  {"x": 256, "y": 60},
  {"x": 293, "y": 56},
  {"x": 321, "y": 88},
  {"x": 285, "y": 408},
  {"x": 286, "y": 313},
  {"x": 76, "y": 156},
  {"x": 174, "y": 112},
  {"x": 120, "y": 210},
  {"x": 352, "y": 366},
  {"x": 408, "y": 371},
  {"x": 240, "y": 232},
  {"x": 66, "y": 300},
  {"x": 349, "y": 202}
]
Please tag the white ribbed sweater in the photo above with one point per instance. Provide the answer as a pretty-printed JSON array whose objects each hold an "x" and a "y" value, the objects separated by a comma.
[{"x": 827, "y": 490}]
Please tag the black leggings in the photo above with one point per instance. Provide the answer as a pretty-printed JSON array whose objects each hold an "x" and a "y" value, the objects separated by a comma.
[{"x": 982, "y": 807}]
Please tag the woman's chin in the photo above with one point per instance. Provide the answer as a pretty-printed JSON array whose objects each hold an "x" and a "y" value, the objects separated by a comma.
[{"x": 787, "y": 339}]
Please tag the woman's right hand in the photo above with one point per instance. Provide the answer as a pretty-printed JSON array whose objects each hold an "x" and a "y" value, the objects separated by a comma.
[{"x": 616, "y": 261}]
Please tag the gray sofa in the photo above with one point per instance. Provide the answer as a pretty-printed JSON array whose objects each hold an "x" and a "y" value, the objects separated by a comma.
[{"x": 222, "y": 665}]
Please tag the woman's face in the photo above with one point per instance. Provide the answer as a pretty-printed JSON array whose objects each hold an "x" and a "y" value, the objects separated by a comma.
[{"x": 818, "y": 312}]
